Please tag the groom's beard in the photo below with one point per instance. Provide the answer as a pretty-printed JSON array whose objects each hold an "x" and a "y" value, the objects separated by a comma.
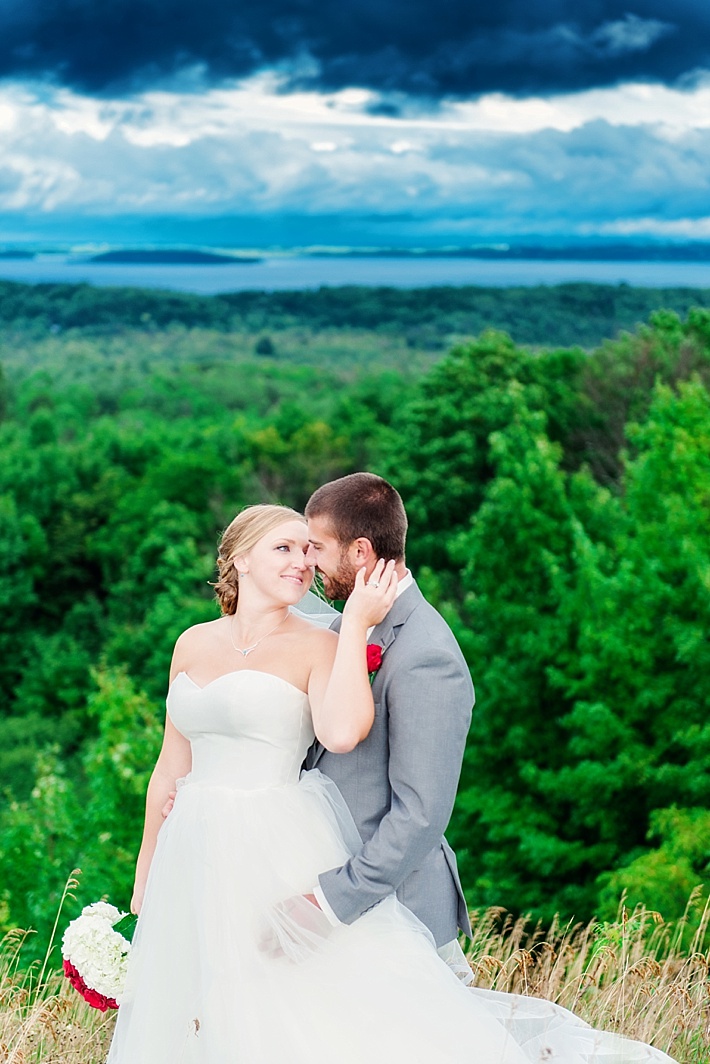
[{"x": 339, "y": 586}]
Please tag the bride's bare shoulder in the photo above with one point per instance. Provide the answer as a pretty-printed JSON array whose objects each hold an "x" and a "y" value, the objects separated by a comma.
[
  {"x": 311, "y": 638},
  {"x": 323, "y": 637},
  {"x": 199, "y": 634},
  {"x": 322, "y": 644}
]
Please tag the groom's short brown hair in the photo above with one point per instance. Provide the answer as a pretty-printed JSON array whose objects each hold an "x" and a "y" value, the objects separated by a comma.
[{"x": 363, "y": 505}]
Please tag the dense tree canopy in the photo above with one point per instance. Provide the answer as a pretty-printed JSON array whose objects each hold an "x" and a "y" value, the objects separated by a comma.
[
  {"x": 559, "y": 504},
  {"x": 575, "y": 313}
]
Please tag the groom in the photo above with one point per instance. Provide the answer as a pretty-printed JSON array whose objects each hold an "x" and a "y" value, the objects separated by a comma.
[{"x": 400, "y": 782}]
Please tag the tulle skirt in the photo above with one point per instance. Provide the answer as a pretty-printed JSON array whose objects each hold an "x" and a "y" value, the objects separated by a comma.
[{"x": 231, "y": 965}]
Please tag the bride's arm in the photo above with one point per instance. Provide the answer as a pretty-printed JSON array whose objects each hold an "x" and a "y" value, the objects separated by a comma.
[
  {"x": 339, "y": 686},
  {"x": 174, "y": 761}
]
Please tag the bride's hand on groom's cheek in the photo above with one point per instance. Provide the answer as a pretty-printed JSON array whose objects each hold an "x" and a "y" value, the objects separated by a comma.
[{"x": 371, "y": 599}]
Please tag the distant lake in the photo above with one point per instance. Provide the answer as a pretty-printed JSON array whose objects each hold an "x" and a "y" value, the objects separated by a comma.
[{"x": 292, "y": 272}]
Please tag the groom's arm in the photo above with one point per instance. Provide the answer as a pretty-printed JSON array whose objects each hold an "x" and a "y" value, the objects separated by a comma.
[{"x": 429, "y": 706}]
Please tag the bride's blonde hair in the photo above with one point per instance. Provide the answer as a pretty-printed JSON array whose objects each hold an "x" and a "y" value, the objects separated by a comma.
[{"x": 238, "y": 538}]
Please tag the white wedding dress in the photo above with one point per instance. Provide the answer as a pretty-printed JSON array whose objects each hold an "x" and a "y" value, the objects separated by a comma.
[{"x": 229, "y": 968}]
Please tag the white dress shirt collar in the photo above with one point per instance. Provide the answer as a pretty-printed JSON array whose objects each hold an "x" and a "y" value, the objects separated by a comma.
[{"x": 406, "y": 581}]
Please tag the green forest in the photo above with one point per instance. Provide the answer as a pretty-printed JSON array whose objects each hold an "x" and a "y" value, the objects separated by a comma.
[{"x": 552, "y": 446}]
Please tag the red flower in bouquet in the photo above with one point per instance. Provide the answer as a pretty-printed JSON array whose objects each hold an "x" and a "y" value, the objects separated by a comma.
[
  {"x": 96, "y": 1000},
  {"x": 374, "y": 659}
]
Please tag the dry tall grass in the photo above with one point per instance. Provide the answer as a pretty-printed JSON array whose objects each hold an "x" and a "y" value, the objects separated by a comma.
[
  {"x": 42, "y": 1019},
  {"x": 634, "y": 976},
  {"x": 638, "y": 976}
]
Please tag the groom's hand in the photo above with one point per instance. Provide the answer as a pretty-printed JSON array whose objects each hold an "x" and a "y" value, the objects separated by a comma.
[
  {"x": 168, "y": 807},
  {"x": 298, "y": 930}
]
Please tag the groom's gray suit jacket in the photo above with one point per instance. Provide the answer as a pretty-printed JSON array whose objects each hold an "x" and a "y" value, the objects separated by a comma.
[{"x": 400, "y": 782}]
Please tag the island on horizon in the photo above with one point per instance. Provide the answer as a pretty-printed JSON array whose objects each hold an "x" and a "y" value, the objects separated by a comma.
[{"x": 170, "y": 257}]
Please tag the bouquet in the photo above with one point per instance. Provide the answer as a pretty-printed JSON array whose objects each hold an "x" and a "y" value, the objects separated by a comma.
[{"x": 96, "y": 955}]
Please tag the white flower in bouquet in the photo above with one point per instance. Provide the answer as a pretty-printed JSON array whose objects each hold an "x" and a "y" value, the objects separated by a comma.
[{"x": 96, "y": 955}]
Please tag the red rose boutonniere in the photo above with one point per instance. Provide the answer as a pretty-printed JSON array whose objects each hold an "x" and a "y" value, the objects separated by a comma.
[{"x": 374, "y": 659}]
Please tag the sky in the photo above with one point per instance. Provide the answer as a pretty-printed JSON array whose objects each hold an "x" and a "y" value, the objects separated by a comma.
[{"x": 399, "y": 122}]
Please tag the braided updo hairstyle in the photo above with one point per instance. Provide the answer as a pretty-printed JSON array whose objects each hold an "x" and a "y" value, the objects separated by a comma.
[{"x": 238, "y": 538}]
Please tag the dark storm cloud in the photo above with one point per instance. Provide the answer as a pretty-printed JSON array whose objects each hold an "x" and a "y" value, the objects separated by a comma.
[{"x": 416, "y": 47}]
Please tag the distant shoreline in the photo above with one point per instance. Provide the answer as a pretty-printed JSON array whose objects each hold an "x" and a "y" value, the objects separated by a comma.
[
  {"x": 592, "y": 253},
  {"x": 318, "y": 269},
  {"x": 696, "y": 252}
]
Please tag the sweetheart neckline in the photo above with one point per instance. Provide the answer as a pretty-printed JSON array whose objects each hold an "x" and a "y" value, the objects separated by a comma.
[{"x": 237, "y": 672}]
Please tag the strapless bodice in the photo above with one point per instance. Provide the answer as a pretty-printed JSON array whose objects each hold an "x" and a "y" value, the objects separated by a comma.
[{"x": 247, "y": 729}]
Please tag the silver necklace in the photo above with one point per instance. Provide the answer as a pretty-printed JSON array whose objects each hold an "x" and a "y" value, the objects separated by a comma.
[{"x": 247, "y": 650}]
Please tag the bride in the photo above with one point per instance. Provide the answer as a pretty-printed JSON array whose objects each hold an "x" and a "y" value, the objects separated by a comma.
[{"x": 233, "y": 962}]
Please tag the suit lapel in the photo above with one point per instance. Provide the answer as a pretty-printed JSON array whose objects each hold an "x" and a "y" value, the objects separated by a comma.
[
  {"x": 318, "y": 751},
  {"x": 318, "y": 748},
  {"x": 384, "y": 635}
]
